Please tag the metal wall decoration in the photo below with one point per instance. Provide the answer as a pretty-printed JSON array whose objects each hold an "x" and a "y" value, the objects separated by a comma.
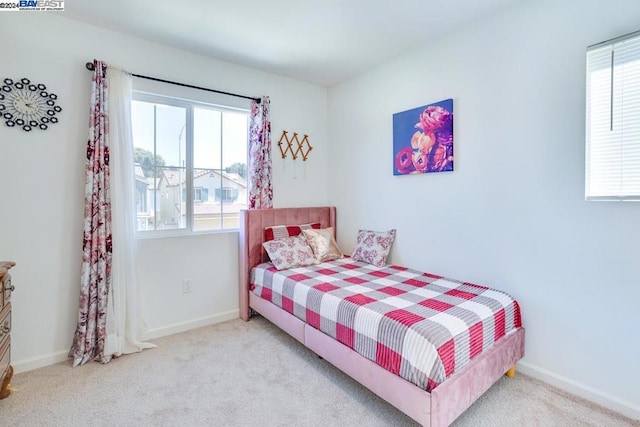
[
  {"x": 27, "y": 105},
  {"x": 294, "y": 145}
]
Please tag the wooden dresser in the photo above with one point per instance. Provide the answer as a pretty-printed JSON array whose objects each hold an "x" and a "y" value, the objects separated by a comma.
[{"x": 6, "y": 370}]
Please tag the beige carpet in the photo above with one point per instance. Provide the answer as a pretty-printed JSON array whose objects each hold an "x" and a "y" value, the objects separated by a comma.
[{"x": 253, "y": 374}]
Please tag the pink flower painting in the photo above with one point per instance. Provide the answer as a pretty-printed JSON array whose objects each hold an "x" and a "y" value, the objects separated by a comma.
[{"x": 423, "y": 139}]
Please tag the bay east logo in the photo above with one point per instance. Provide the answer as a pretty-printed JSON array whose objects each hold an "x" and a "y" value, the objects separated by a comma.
[
  {"x": 31, "y": 5},
  {"x": 41, "y": 3},
  {"x": 44, "y": 5}
]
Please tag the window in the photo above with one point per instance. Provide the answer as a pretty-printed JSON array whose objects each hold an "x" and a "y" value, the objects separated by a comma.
[
  {"x": 613, "y": 120},
  {"x": 186, "y": 151},
  {"x": 200, "y": 194},
  {"x": 226, "y": 194}
]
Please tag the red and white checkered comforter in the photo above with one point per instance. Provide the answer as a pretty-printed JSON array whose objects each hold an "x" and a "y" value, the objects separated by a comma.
[{"x": 417, "y": 325}]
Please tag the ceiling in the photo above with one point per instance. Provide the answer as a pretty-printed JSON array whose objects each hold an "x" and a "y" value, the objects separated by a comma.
[{"x": 322, "y": 42}]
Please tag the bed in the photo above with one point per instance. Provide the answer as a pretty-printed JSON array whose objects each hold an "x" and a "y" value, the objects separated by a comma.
[{"x": 432, "y": 403}]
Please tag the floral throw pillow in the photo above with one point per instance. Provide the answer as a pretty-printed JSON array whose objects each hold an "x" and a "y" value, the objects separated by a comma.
[
  {"x": 290, "y": 252},
  {"x": 323, "y": 244},
  {"x": 373, "y": 247}
]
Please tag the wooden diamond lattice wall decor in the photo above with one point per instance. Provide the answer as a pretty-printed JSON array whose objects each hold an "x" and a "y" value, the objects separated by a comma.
[
  {"x": 285, "y": 139},
  {"x": 302, "y": 147}
]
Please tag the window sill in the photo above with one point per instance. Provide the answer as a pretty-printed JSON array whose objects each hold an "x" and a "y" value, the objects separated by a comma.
[{"x": 162, "y": 234}]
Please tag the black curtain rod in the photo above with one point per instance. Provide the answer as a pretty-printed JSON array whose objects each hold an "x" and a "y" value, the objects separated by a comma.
[{"x": 92, "y": 67}]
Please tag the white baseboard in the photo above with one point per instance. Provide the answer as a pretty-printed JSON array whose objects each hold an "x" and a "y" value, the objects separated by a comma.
[
  {"x": 40, "y": 361},
  {"x": 596, "y": 396},
  {"x": 58, "y": 357},
  {"x": 190, "y": 324}
]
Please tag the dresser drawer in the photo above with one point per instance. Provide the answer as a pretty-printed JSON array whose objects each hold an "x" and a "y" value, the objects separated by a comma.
[
  {"x": 6, "y": 371},
  {"x": 5, "y": 322},
  {"x": 5, "y": 356},
  {"x": 7, "y": 288}
]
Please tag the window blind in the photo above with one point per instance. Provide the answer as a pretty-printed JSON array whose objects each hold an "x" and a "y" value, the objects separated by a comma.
[{"x": 613, "y": 120}]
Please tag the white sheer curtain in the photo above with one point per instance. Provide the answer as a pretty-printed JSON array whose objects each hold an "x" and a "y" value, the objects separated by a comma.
[{"x": 123, "y": 315}]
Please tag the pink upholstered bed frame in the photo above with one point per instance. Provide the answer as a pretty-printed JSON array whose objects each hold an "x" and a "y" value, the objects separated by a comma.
[{"x": 438, "y": 408}]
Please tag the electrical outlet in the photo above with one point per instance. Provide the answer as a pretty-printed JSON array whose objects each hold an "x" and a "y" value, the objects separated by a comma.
[{"x": 186, "y": 286}]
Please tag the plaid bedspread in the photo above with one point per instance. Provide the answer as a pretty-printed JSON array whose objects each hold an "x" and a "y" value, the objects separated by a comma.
[{"x": 417, "y": 325}]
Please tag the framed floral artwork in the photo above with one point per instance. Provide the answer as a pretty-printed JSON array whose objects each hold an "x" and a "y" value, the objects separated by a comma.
[{"x": 423, "y": 139}]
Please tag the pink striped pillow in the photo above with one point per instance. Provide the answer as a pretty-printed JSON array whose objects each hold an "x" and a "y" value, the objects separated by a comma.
[{"x": 281, "y": 231}]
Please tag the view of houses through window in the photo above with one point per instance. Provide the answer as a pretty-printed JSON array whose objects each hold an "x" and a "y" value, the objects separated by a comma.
[{"x": 190, "y": 164}]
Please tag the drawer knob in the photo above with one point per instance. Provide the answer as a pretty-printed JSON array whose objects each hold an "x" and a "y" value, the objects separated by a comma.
[
  {"x": 11, "y": 288},
  {"x": 5, "y": 328}
]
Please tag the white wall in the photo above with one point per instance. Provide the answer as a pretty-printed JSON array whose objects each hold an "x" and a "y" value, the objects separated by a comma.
[
  {"x": 512, "y": 214},
  {"x": 42, "y": 183}
]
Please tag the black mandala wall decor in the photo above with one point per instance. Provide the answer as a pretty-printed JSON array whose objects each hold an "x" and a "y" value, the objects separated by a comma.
[{"x": 27, "y": 105}]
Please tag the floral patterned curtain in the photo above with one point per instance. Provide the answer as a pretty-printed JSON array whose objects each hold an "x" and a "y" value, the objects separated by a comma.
[
  {"x": 89, "y": 338},
  {"x": 260, "y": 186}
]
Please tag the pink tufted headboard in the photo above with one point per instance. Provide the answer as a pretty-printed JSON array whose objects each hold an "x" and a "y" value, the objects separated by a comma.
[{"x": 252, "y": 225}]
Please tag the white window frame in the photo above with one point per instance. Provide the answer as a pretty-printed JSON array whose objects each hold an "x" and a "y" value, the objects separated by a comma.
[
  {"x": 612, "y": 126},
  {"x": 189, "y": 105}
]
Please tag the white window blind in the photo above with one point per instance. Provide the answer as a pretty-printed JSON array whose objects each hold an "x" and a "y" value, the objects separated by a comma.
[{"x": 613, "y": 120}]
